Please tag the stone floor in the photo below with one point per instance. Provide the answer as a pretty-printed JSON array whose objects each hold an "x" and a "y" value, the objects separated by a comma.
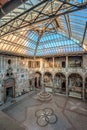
[
  {"x": 6, "y": 123},
  {"x": 71, "y": 113}
]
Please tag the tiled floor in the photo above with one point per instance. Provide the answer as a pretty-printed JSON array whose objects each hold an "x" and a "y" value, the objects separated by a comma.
[{"x": 71, "y": 113}]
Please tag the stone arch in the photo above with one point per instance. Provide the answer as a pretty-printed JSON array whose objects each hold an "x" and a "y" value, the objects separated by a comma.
[
  {"x": 75, "y": 75},
  {"x": 60, "y": 81},
  {"x": 9, "y": 88},
  {"x": 80, "y": 74},
  {"x": 60, "y": 72},
  {"x": 38, "y": 73},
  {"x": 47, "y": 76},
  {"x": 37, "y": 79},
  {"x": 45, "y": 72},
  {"x": 75, "y": 83}
]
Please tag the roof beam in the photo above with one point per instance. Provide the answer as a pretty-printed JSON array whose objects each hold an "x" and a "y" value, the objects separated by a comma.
[
  {"x": 40, "y": 35},
  {"x": 85, "y": 30},
  {"x": 40, "y": 12},
  {"x": 15, "y": 44},
  {"x": 65, "y": 2},
  {"x": 70, "y": 10},
  {"x": 45, "y": 30},
  {"x": 24, "y": 36},
  {"x": 9, "y": 6},
  {"x": 80, "y": 7},
  {"x": 42, "y": 2},
  {"x": 68, "y": 24}
]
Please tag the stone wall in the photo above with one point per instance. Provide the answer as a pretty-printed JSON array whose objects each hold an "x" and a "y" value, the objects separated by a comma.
[
  {"x": 20, "y": 72},
  {"x": 82, "y": 70}
]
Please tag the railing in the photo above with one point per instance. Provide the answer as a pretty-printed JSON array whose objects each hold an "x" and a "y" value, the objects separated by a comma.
[{"x": 68, "y": 69}]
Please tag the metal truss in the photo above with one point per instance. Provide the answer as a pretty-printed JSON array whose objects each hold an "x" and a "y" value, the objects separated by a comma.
[
  {"x": 85, "y": 31},
  {"x": 39, "y": 15},
  {"x": 47, "y": 16},
  {"x": 68, "y": 24}
]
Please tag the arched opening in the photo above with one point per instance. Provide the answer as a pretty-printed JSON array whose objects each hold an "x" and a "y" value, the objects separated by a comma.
[
  {"x": 9, "y": 89},
  {"x": 37, "y": 80},
  {"x": 60, "y": 83},
  {"x": 86, "y": 87},
  {"x": 75, "y": 85},
  {"x": 48, "y": 82},
  {"x": 47, "y": 77}
]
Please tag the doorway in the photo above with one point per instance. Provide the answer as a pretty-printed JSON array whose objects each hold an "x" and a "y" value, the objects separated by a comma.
[
  {"x": 9, "y": 93},
  {"x": 37, "y": 80},
  {"x": 9, "y": 89},
  {"x": 60, "y": 83},
  {"x": 75, "y": 85}
]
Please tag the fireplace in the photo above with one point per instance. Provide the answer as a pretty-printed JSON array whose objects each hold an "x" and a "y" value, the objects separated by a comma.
[{"x": 9, "y": 88}]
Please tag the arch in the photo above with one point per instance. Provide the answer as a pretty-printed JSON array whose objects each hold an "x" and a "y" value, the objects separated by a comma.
[
  {"x": 37, "y": 79},
  {"x": 9, "y": 88},
  {"x": 75, "y": 75},
  {"x": 47, "y": 76},
  {"x": 78, "y": 73},
  {"x": 38, "y": 73},
  {"x": 60, "y": 82},
  {"x": 59, "y": 74},
  {"x": 48, "y": 73},
  {"x": 75, "y": 84}
]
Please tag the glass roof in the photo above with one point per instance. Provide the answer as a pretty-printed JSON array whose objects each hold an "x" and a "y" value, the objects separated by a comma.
[
  {"x": 45, "y": 27},
  {"x": 57, "y": 43}
]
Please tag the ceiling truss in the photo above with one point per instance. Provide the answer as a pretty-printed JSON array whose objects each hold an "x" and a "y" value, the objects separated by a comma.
[{"x": 47, "y": 16}]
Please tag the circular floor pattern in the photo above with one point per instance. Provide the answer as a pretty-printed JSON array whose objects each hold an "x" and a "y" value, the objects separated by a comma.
[{"x": 45, "y": 116}]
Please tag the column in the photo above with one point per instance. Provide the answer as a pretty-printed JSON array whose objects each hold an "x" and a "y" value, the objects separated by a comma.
[
  {"x": 42, "y": 82},
  {"x": 1, "y": 63},
  {"x": 53, "y": 89},
  {"x": 67, "y": 89},
  {"x": 16, "y": 62},
  {"x": 67, "y": 62},
  {"x": 53, "y": 62},
  {"x": 83, "y": 89}
]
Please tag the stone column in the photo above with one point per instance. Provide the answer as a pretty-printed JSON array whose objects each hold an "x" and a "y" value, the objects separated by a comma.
[
  {"x": 53, "y": 62},
  {"x": 1, "y": 63},
  {"x": 83, "y": 89},
  {"x": 33, "y": 63},
  {"x": 42, "y": 82},
  {"x": 37, "y": 82},
  {"x": 67, "y": 62},
  {"x": 33, "y": 79},
  {"x": 67, "y": 89},
  {"x": 16, "y": 62},
  {"x": 53, "y": 84}
]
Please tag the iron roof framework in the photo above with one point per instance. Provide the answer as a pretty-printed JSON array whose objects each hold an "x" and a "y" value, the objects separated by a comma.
[{"x": 45, "y": 27}]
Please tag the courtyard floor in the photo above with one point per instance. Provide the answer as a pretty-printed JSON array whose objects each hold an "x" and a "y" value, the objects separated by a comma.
[{"x": 71, "y": 113}]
